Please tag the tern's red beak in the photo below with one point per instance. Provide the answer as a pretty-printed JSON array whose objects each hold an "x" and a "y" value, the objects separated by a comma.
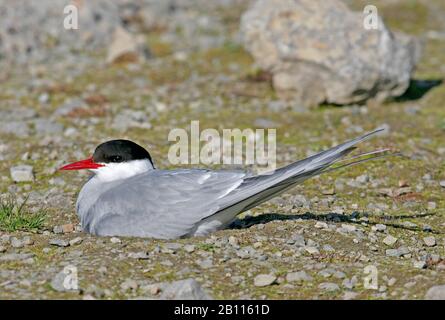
[{"x": 83, "y": 164}]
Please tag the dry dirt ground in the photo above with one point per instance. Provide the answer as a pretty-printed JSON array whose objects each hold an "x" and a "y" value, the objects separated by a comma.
[{"x": 334, "y": 237}]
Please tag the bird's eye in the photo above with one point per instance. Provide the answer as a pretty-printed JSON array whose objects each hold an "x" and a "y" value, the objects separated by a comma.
[{"x": 115, "y": 159}]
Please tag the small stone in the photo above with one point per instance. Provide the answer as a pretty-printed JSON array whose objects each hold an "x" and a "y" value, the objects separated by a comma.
[
  {"x": 27, "y": 241},
  {"x": 206, "y": 263},
  {"x": 397, "y": 252},
  {"x": 391, "y": 282},
  {"x": 16, "y": 243},
  {"x": 298, "y": 276},
  {"x": 189, "y": 248},
  {"x": 233, "y": 241},
  {"x": 379, "y": 227},
  {"x": 67, "y": 228},
  {"x": 328, "y": 192},
  {"x": 2, "y": 249},
  {"x": 115, "y": 240},
  {"x": 60, "y": 284},
  {"x": 321, "y": 225},
  {"x": 16, "y": 256},
  {"x": 409, "y": 224},
  {"x": 349, "y": 295},
  {"x": 299, "y": 240},
  {"x": 329, "y": 286},
  {"x": 129, "y": 284},
  {"x": 364, "y": 178},
  {"x": 59, "y": 243},
  {"x": 419, "y": 264},
  {"x": 328, "y": 247},
  {"x": 429, "y": 241},
  {"x": 436, "y": 293},
  {"x": 75, "y": 241},
  {"x": 431, "y": 205},
  {"x": 22, "y": 173},
  {"x": 348, "y": 227},
  {"x": 312, "y": 250},
  {"x": 142, "y": 255},
  {"x": 442, "y": 183},
  {"x": 389, "y": 240},
  {"x": 339, "y": 274},
  {"x": 171, "y": 247},
  {"x": 58, "y": 229},
  {"x": 263, "y": 280},
  {"x": 187, "y": 289}
]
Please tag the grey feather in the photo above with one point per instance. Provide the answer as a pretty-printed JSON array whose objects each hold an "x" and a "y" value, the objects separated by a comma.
[{"x": 177, "y": 203}]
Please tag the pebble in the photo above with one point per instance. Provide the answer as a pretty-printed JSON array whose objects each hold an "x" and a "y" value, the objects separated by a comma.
[
  {"x": 429, "y": 241},
  {"x": 298, "y": 240},
  {"x": 379, "y": 227},
  {"x": 419, "y": 264},
  {"x": 389, "y": 240},
  {"x": 142, "y": 255},
  {"x": 59, "y": 243},
  {"x": 2, "y": 249},
  {"x": 206, "y": 263},
  {"x": 59, "y": 282},
  {"x": 115, "y": 240},
  {"x": 16, "y": 256},
  {"x": 263, "y": 280},
  {"x": 129, "y": 284},
  {"x": 22, "y": 173},
  {"x": 329, "y": 286},
  {"x": 16, "y": 243},
  {"x": 321, "y": 225},
  {"x": 233, "y": 241},
  {"x": 27, "y": 241},
  {"x": 312, "y": 250},
  {"x": 65, "y": 228},
  {"x": 442, "y": 183},
  {"x": 75, "y": 241},
  {"x": 436, "y": 293},
  {"x": 431, "y": 205},
  {"x": 348, "y": 227},
  {"x": 298, "y": 276},
  {"x": 397, "y": 252},
  {"x": 189, "y": 248},
  {"x": 391, "y": 282},
  {"x": 349, "y": 295},
  {"x": 187, "y": 289}
]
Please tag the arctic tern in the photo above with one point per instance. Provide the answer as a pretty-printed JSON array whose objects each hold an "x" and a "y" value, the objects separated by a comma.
[{"x": 128, "y": 196}]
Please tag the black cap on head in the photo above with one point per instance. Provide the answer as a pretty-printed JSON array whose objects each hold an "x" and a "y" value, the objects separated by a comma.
[{"x": 115, "y": 151}]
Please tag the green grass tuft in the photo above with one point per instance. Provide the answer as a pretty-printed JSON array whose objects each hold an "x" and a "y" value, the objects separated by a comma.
[{"x": 15, "y": 216}]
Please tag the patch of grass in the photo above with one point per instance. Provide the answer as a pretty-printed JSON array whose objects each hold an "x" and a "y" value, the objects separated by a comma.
[
  {"x": 205, "y": 247},
  {"x": 15, "y": 216}
]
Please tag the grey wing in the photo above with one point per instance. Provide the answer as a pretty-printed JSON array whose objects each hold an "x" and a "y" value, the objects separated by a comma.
[
  {"x": 162, "y": 204},
  {"x": 258, "y": 189}
]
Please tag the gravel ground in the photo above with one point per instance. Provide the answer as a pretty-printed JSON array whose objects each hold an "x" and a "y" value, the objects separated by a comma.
[{"x": 374, "y": 231}]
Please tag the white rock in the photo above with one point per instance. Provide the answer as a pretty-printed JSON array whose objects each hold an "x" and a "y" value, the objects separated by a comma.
[
  {"x": 429, "y": 241},
  {"x": 436, "y": 293},
  {"x": 389, "y": 240},
  {"x": 263, "y": 280},
  {"x": 22, "y": 173}
]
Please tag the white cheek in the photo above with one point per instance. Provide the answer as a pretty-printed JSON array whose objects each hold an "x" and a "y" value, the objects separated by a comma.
[{"x": 115, "y": 171}]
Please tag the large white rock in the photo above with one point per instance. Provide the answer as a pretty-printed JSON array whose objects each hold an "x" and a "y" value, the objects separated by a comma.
[{"x": 319, "y": 51}]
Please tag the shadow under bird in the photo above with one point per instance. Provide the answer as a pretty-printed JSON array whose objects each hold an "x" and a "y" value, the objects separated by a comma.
[{"x": 127, "y": 196}]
